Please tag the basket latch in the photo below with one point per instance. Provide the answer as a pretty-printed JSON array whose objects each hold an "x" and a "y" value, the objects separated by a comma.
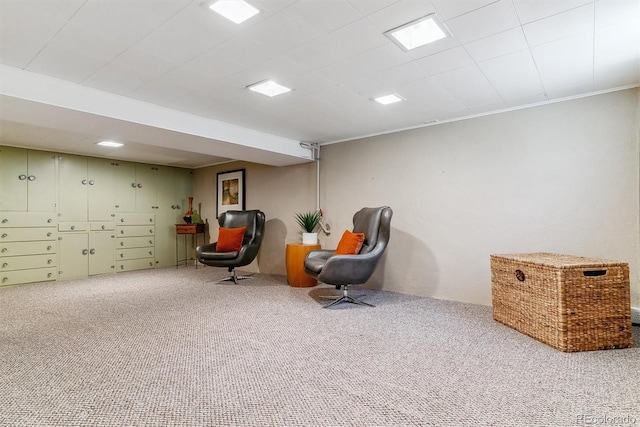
[{"x": 594, "y": 273}]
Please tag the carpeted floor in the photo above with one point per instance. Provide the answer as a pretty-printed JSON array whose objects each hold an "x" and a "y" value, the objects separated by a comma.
[{"x": 169, "y": 347}]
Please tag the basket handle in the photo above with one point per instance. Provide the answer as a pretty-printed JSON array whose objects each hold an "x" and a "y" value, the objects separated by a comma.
[
  {"x": 520, "y": 275},
  {"x": 594, "y": 273}
]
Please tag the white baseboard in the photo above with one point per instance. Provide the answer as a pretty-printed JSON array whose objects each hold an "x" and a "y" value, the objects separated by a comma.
[{"x": 635, "y": 315}]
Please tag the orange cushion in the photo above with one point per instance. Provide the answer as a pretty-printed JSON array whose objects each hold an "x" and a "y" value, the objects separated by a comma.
[
  {"x": 230, "y": 239},
  {"x": 350, "y": 243}
]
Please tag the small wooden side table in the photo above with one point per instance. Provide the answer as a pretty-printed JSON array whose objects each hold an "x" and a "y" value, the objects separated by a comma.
[
  {"x": 188, "y": 230},
  {"x": 296, "y": 276}
]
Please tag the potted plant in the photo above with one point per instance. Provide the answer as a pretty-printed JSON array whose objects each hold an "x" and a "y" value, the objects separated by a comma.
[{"x": 309, "y": 222}]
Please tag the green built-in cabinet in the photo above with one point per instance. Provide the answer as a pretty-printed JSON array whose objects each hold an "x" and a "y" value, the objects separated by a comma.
[{"x": 67, "y": 216}]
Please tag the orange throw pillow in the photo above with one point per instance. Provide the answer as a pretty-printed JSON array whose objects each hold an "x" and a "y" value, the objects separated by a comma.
[
  {"x": 230, "y": 239},
  {"x": 350, "y": 243}
]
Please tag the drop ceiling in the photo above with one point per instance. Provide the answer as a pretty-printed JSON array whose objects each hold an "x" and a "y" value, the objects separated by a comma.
[{"x": 168, "y": 77}]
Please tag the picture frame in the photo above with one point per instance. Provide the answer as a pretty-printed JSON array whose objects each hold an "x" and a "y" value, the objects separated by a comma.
[{"x": 230, "y": 192}]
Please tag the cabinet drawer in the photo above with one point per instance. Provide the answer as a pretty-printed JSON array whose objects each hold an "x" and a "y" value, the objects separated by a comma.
[
  {"x": 27, "y": 276},
  {"x": 27, "y": 248},
  {"x": 27, "y": 219},
  {"x": 27, "y": 262},
  {"x": 135, "y": 264},
  {"x": 28, "y": 234},
  {"x": 103, "y": 226},
  {"x": 135, "y": 230},
  {"x": 134, "y": 253},
  {"x": 73, "y": 226},
  {"x": 135, "y": 219},
  {"x": 135, "y": 242}
]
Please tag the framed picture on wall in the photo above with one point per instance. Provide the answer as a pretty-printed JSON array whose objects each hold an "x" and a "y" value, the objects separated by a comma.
[{"x": 230, "y": 194}]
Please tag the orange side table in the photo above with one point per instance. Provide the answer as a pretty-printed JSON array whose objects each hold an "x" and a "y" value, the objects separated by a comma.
[{"x": 296, "y": 276}]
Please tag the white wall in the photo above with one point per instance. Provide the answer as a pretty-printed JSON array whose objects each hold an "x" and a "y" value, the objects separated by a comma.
[{"x": 558, "y": 178}]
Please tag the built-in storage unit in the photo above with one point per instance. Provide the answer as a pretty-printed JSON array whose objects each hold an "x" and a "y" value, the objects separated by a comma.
[
  {"x": 28, "y": 246},
  {"x": 68, "y": 216},
  {"x": 135, "y": 241}
]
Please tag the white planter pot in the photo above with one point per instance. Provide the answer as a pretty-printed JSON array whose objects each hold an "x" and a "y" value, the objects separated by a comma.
[{"x": 309, "y": 238}]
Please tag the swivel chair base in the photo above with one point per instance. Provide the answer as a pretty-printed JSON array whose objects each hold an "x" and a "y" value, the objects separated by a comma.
[
  {"x": 344, "y": 298},
  {"x": 233, "y": 278}
]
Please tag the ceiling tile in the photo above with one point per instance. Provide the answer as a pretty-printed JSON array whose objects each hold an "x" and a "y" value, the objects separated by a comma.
[
  {"x": 614, "y": 11},
  {"x": 280, "y": 69},
  {"x": 574, "y": 21},
  {"x": 565, "y": 66},
  {"x": 469, "y": 85},
  {"x": 188, "y": 34},
  {"x": 497, "y": 45},
  {"x": 486, "y": 21},
  {"x": 118, "y": 77},
  {"x": 529, "y": 11},
  {"x": 346, "y": 42},
  {"x": 367, "y": 7},
  {"x": 400, "y": 13},
  {"x": 343, "y": 71},
  {"x": 324, "y": 16},
  {"x": 279, "y": 33},
  {"x": 514, "y": 76},
  {"x": 22, "y": 39},
  {"x": 616, "y": 62},
  {"x": 448, "y": 9},
  {"x": 446, "y": 61}
]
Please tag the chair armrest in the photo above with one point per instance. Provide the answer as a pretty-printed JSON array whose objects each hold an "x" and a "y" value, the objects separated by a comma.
[
  {"x": 349, "y": 269},
  {"x": 209, "y": 247}
]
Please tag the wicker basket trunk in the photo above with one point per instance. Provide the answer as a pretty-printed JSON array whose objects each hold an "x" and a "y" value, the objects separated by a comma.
[{"x": 570, "y": 303}]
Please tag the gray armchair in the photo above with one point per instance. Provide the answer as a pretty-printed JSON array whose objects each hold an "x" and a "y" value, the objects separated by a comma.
[
  {"x": 345, "y": 270},
  {"x": 254, "y": 221}
]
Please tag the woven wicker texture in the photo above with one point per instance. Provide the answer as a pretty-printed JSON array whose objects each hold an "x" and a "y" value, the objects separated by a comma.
[{"x": 570, "y": 303}]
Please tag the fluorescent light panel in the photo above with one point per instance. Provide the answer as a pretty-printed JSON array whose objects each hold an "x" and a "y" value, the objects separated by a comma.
[
  {"x": 388, "y": 99},
  {"x": 269, "y": 88},
  {"x": 110, "y": 144},
  {"x": 417, "y": 33},
  {"x": 236, "y": 11}
]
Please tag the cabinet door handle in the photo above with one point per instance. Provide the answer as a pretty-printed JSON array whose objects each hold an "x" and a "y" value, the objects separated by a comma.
[
  {"x": 48, "y": 275},
  {"x": 85, "y": 252},
  {"x": 121, "y": 219},
  {"x": 150, "y": 231},
  {"x": 5, "y": 265},
  {"x": 22, "y": 177},
  {"x": 139, "y": 185},
  {"x": 49, "y": 234},
  {"x": 3, "y": 250},
  {"x": 5, "y": 220},
  {"x": 150, "y": 252},
  {"x": 49, "y": 261},
  {"x": 91, "y": 182},
  {"x": 5, "y": 279},
  {"x": 31, "y": 178},
  {"x": 103, "y": 227},
  {"x": 121, "y": 231},
  {"x": 151, "y": 242},
  {"x": 4, "y": 235},
  {"x": 84, "y": 182},
  {"x": 92, "y": 251},
  {"x": 133, "y": 184},
  {"x": 73, "y": 227},
  {"x": 150, "y": 219},
  {"x": 121, "y": 255},
  {"x": 49, "y": 221},
  {"x": 48, "y": 248},
  {"x": 173, "y": 206}
]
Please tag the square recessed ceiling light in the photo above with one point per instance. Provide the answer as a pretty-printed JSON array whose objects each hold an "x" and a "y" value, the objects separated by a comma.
[
  {"x": 110, "y": 144},
  {"x": 269, "y": 88},
  {"x": 237, "y": 11},
  {"x": 417, "y": 33},
  {"x": 388, "y": 99}
]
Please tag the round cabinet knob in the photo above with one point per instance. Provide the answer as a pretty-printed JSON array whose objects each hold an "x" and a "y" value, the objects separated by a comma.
[
  {"x": 22, "y": 177},
  {"x": 5, "y": 265},
  {"x": 103, "y": 227},
  {"x": 92, "y": 251},
  {"x": 5, "y": 279},
  {"x": 121, "y": 231},
  {"x": 121, "y": 243},
  {"x": 173, "y": 206},
  {"x": 150, "y": 231},
  {"x": 84, "y": 182},
  {"x": 85, "y": 252},
  {"x": 150, "y": 219},
  {"x": 121, "y": 255},
  {"x": 5, "y": 220},
  {"x": 150, "y": 252},
  {"x": 3, "y": 250},
  {"x": 73, "y": 227},
  {"x": 151, "y": 242},
  {"x": 4, "y": 235},
  {"x": 139, "y": 185},
  {"x": 121, "y": 219},
  {"x": 133, "y": 185},
  {"x": 92, "y": 182},
  {"x": 49, "y": 221},
  {"x": 49, "y": 234},
  {"x": 48, "y": 248},
  {"x": 31, "y": 178},
  {"x": 48, "y": 275},
  {"x": 49, "y": 261}
]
